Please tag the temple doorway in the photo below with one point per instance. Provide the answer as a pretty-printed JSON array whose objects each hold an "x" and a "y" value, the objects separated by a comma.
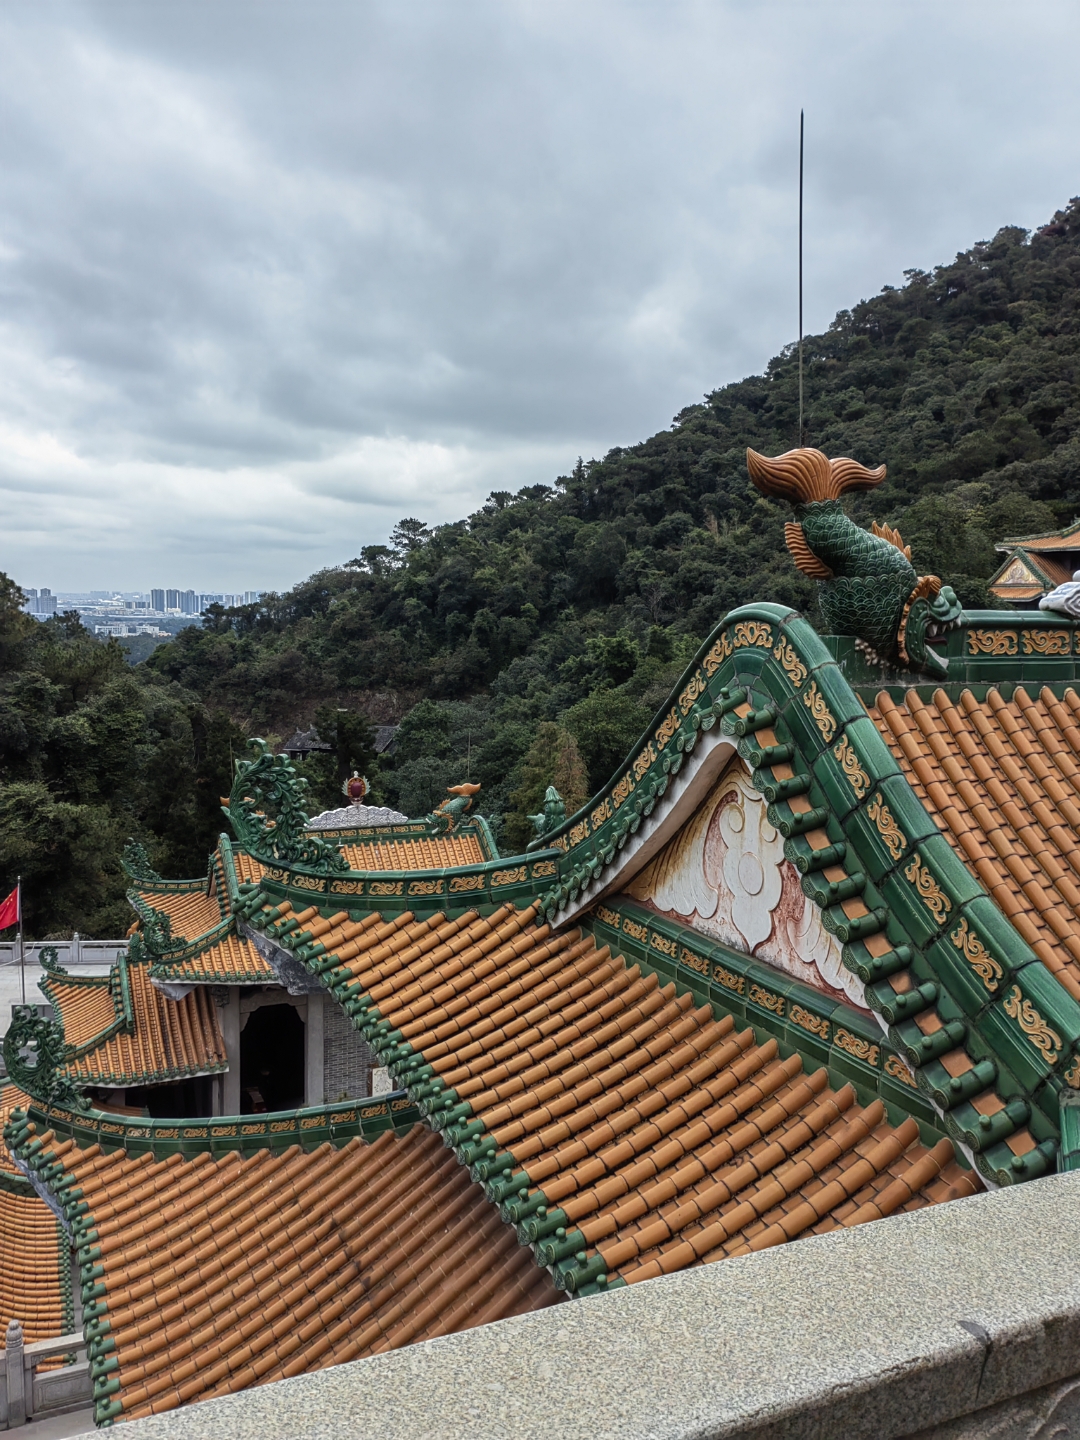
[{"x": 272, "y": 1060}]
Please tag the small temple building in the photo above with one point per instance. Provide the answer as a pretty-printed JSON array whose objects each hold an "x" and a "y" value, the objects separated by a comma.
[
  {"x": 811, "y": 958},
  {"x": 1035, "y": 564}
]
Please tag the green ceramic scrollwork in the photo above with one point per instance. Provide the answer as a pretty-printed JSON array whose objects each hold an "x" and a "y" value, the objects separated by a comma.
[
  {"x": 268, "y": 811},
  {"x": 34, "y": 1053}
]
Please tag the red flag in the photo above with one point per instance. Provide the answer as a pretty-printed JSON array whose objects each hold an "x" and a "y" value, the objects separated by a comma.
[{"x": 10, "y": 909}]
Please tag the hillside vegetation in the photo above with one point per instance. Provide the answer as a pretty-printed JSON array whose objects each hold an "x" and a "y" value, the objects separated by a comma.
[{"x": 573, "y": 607}]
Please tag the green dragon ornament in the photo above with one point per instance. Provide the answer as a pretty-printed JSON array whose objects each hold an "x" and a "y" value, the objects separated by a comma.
[
  {"x": 869, "y": 587},
  {"x": 35, "y": 1053}
]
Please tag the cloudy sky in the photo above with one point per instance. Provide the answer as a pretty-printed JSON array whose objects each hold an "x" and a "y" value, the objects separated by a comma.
[{"x": 274, "y": 273}]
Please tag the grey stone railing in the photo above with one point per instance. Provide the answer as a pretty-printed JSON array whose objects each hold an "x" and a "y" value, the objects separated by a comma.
[
  {"x": 958, "y": 1321},
  {"x": 68, "y": 952},
  {"x": 28, "y": 1394}
]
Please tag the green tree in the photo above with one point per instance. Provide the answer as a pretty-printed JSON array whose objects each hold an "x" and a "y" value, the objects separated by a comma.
[
  {"x": 606, "y": 725},
  {"x": 553, "y": 759}
]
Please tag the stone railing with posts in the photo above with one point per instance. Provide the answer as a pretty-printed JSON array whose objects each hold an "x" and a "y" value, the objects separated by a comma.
[
  {"x": 29, "y": 1393},
  {"x": 68, "y": 952}
]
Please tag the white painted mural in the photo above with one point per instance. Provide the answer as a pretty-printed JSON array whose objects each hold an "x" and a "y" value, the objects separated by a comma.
[{"x": 725, "y": 874}]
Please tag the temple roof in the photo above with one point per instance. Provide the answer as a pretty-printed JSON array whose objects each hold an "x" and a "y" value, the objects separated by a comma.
[
  {"x": 653, "y": 1135},
  {"x": 423, "y": 853},
  {"x": 1068, "y": 538},
  {"x": 127, "y": 1033},
  {"x": 1002, "y": 780},
  {"x": 1023, "y": 574},
  {"x": 220, "y": 1273},
  {"x": 635, "y": 1087},
  {"x": 35, "y": 1274},
  {"x": 192, "y": 912},
  {"x": 204, "y": 946}
]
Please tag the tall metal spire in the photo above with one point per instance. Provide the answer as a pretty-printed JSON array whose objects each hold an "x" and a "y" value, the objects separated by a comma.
[{"x": 802, "y": 435}]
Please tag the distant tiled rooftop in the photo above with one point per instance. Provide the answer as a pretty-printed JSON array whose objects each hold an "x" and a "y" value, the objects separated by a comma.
[
  {"x": 233, "y": 960},
  {"x": 248, "y": 869},
  {"x": 1002, "y": 780},
  {"x": 191, "y": 912},
  {"x": 172, "y": 1039},
  {"x": 88, "y": 1005},
  {"x": 11, "y": 1098},
  {"x": 224, "y": 1273},
  {"x": 437, "y": 853}
]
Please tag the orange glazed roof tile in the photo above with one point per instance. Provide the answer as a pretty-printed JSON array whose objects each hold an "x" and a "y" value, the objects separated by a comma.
[
  {"x": 1002, "y": 780},
  {"x": 232, "y": 960},
  {"x": 247, "y": 868},
  {"x": 171, "y": 1039},
  {"x": 655, "y": 1136},
  {"x": 35, "y": 1281},
  {"x": 89, "y": 1006},
  {"x": 11, "y": 1098},
  {"x": 439, "y": 853},
  {"x": 191, "y": 912},
  {"x": 225, "y": 1273}
]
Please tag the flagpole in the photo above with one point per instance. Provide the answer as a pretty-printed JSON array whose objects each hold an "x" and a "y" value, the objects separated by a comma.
[{"x": 22, "y": 950}]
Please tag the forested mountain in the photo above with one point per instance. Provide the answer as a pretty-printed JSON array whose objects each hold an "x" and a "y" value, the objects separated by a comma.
[
  {"x": 92, "y": 751},
  {"x": 574, "y": 606}
]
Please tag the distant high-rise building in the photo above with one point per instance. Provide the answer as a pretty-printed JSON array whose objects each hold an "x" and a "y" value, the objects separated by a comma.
[
  {"x": 189, "y": 603},
  {"x": 157, "y": 599},
  {"x": 40, "y": 602},
  {"x": 172, "y": 599},
  {"x": 252, "y": 597},
  {"x": 205, "y": 600}
]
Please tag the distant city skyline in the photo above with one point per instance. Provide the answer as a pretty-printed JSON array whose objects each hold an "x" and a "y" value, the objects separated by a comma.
[{"x": 43, "y": 600}]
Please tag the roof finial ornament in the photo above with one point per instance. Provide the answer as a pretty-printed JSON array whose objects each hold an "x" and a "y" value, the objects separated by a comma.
[
  {"x": 869, "y": 587},
  {"x": 355, "y": 789}
]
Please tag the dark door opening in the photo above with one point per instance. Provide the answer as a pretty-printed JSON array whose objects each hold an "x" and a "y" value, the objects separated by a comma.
[{"x": 272, "y": 1060}]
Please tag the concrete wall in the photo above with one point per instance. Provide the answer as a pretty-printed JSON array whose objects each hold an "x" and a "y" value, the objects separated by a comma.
[{"x": 960, "y": 1322}]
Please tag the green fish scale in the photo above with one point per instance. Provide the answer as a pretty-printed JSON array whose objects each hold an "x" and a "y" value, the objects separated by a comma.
[{"x": 871, "y": 578}]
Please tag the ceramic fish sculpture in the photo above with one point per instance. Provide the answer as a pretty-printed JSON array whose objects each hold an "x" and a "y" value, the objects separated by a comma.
[{"x": 869, "y": 587}]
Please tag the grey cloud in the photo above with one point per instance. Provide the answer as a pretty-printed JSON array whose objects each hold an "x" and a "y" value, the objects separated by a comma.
[{"x": 241, "y": 242}]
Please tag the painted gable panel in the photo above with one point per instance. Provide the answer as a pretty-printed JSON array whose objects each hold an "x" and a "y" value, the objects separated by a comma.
[{"x": 725, "y": 874}]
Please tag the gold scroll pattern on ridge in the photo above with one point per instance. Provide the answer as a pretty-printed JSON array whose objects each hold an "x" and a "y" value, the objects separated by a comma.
[
  {"x": 814, "y": 1023},
  {"x": 893, "y": 838},
  {"x": 857, "y": 1046},
  {"x": 823, "y": 716},
  {"x": 761, "y": 996},
  {"x": 930, "y": 892},
  {"x": 668, "y": 727},
  {"x": 508, "y": 877},
  {"x": 793, "y": 666},
  {"x": 849, "y": 762},
  {"x": 977, "y": 955},
  {"x": 1047, "y": 1041},
  {"x": 753, "y": 632},
  {"x": 695, "y": 688},
  {"x": 1046, "y": 642},
  {"x": 895, "y": 1067},
  {"x": 729, "y": 979},
  {"x": 720, "y": 652},
  {"x": 992, "y": 642}
]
